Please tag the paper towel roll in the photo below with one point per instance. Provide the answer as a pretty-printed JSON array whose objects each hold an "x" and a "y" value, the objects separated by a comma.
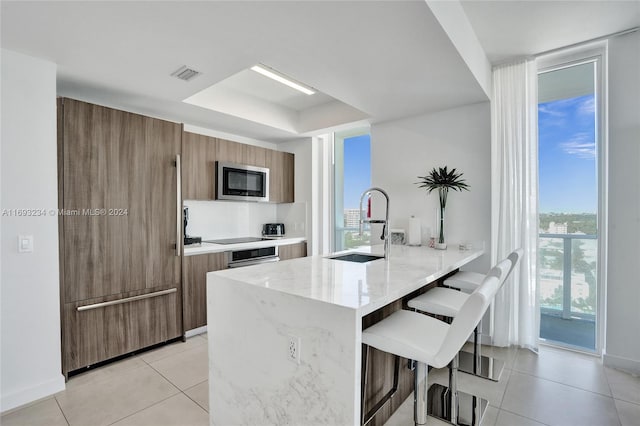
[{"x": 414, "y": 231}]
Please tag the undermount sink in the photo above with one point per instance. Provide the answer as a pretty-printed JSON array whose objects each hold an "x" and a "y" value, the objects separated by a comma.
[{"x": 357, "y": 257}]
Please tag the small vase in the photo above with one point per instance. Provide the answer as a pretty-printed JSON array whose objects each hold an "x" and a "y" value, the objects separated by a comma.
[{"x": 441, "y": 245}]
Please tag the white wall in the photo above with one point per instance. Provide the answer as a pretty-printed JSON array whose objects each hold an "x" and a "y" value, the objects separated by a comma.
[
  {"x": 623, "y": 285},
  {"x": 30, "y": 303},
  {"x": 404, "y": 149},
  {"x": 453, "y": 19}
]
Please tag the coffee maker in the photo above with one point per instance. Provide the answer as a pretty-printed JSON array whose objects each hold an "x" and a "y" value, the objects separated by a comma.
[{"x": 187, "y": 239}]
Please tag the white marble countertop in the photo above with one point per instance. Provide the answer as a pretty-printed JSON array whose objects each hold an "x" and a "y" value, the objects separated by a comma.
[
  {"x": 205, "y": 248},
  {"x": 364, "y": 287}
]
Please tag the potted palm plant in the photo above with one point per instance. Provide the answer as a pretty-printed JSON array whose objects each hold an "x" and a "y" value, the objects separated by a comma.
[{"x": 443, "y": 180}]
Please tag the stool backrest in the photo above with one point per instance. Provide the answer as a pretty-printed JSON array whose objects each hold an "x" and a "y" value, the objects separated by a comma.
[
  {"x": 514, "y": 257},
  {"x": 470, "y": 314},
  {"x": 502, "y": 270}
]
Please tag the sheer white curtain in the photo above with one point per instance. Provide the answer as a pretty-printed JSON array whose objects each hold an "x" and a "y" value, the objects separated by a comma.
[{"x": 514, "y": 201}]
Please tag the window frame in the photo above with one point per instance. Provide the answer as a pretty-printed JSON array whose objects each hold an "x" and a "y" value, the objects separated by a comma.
[
  {"x": 597, "y": 53},
  {"x": 337, "y": 142}
]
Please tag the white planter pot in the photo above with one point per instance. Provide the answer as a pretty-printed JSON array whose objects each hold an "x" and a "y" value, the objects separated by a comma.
[{"x": 440, "y": 246}]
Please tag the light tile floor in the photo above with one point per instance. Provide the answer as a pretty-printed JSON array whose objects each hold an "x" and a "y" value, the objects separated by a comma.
[
  {"x": 169, "y": 386},
  {"x": 554, "y": 387}
]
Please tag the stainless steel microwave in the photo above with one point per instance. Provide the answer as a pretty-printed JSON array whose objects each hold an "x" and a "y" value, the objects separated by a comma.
[{"x": 240, "y": 182}]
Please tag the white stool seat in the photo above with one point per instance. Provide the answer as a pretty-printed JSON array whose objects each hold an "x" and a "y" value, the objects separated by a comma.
[
  {"x": 400, "y": 334},
  {"x": 447, "y": 301},
  {"x": 440, "y": 301},
  {"x": 465, "y": 280}
]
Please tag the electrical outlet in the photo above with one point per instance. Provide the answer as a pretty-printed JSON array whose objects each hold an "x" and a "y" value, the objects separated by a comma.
[{"x": 293, "y": 350}]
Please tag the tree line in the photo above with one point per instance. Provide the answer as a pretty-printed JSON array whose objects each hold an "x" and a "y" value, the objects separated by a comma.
[{"x": 585, "y": 223}]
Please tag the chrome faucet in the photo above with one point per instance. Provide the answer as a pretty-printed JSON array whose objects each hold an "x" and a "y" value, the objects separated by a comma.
[{"x": 385, "y": 222}]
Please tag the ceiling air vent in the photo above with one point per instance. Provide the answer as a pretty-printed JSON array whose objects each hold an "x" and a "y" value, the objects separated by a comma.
[{"x": 185, "y": 73}]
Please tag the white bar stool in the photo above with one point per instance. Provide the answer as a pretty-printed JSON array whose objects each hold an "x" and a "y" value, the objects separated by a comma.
[
  {"x": 430, "y": 342},
  {"x": 476, "y": 363},
  {"x": 448, "y": 303}
]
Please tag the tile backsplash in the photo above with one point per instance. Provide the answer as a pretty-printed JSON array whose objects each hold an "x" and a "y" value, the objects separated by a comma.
[
  {"x": 229, "y": 219},
  {"x": 294, "y": 217}
]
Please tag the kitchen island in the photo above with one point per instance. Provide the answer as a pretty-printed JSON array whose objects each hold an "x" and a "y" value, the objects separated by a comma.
[{"x": 285, "y": 338}]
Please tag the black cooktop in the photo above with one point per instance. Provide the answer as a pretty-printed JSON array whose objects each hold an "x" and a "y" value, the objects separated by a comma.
[{"x": 236, "y": 240}]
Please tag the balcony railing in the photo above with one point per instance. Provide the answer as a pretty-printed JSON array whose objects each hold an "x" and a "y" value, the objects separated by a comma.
[
  {"x": 570, "y": 265},
  {"x": 568, "y": 287}
]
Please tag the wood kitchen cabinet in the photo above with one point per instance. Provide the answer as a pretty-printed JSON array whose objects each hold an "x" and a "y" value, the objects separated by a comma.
[
  {"x": 230, "y": 152},
  {"x": 292, "y": 251},
  {"x": 198, "y": 166},
  {"x": 194, "y": 280},
  {"x": 281, "y": 176},
  {"x": 201, "y": 152},
  {"x": 118, "y": 261},
  {"x": 194, "y": 273},
  {"x": 255, "y": 156},
  {"x": 99, "y": 334}
]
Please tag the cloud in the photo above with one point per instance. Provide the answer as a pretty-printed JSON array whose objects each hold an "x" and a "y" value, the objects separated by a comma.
[
  {"x": 551, "y": 110},
  {"x": 581, "y": 145},
  {"x": 587, "y": 107}
]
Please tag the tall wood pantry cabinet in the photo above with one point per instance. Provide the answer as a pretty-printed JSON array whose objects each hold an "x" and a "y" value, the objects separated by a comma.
[{"x": 120, "y": 272}]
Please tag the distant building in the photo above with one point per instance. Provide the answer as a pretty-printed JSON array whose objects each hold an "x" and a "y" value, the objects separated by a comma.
[
  {"x": 351, "y": 218},
  {"x": 557, "y": 228},
  {"x": 579, "y": 286}
]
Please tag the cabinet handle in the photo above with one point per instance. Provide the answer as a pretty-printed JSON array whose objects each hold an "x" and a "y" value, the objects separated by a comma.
[
  {"x": 126, "y": 299},
  {"x": 178, "y": 206}
]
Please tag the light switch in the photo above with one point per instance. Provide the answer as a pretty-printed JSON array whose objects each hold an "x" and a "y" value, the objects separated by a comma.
[{"x": 25, "y": 243}]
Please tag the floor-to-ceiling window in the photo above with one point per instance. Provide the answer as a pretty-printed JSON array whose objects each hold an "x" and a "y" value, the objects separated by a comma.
[
  {"x": 352, "y": 175},
  {"x": 569, "y": 134}
]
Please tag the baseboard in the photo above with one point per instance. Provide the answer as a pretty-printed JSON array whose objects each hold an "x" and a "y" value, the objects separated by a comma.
[
  {"x": 195, "y": 331},
  {"x": 620, "y": 363},
  {"x": 34, "y": 393},
  {"x": 484, "y": 339}
]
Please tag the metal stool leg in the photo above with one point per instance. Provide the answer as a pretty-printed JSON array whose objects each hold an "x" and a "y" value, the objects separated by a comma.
[
  {"x": 420, "y": 394},
  {"x": 453, "y": 390},
  {"x": 479, "y": 365},
  {"x": 453, "y": 406},
  {"x": 476, "y": 351}
]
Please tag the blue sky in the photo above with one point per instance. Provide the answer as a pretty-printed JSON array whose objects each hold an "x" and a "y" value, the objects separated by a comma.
[
  {"x": 567, "y": 154},
  {"x": 357, "y": 169}
]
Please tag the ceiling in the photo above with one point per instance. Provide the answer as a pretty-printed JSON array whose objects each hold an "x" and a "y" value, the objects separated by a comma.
[
  {"x": 250, "y": 83},
  {"x": 381, "y": 60},
  {"x": 260, "y": 99},
  {"x": 516, "y": 28},
  {"x": 387, "y": 59}
]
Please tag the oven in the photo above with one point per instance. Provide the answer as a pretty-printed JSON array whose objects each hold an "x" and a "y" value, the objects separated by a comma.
[{"x": 254, "y": 256}]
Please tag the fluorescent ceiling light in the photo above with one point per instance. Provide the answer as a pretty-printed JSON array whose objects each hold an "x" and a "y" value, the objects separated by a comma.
[{"x": 273, "y": 74}]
